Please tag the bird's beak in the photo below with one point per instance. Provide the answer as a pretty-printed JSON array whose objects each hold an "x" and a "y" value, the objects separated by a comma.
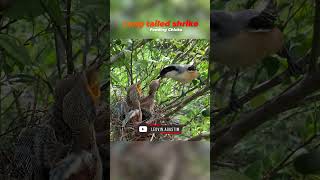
[{"x": 192, "y": 70}]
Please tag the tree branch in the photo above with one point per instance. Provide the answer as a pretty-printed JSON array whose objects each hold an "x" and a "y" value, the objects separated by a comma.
[
  {"x": 263, "y": 87},
  {"x": 315, "y": 53},
  {"x": 70, "y": 64},
  {"x": 176, "y": 100},
  {"x": 308, "y": 100},
  {"x": 114, "y": 58},
  {"x": 188, "y": 100},
  {"x": 251, "y": 120},
  {"x": 282, "y": 164},
  {"x": 60, "y": 52},
  {"x": 8, "y": 24}
]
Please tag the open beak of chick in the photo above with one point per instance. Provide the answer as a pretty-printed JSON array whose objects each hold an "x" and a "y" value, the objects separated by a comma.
[{"x": 139, "y": 89}]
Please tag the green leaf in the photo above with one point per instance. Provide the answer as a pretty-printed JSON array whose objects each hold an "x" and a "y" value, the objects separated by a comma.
[
  {"x": 272, "y": 65},
  {"x": 99, "y": 7},
  {"x": 228, "y": 174},
  {"x": 53, "y": 9},
  {"x": 22, "y": 9},
  {"x": 258, "y": 101},
  {"x": 308, "y": 163},
  {"x": 313, "y": 177},
  {"x": 254, "y": 171},
  {"x": 7, "y": 68},
  {"x": 15, "y": 49}
]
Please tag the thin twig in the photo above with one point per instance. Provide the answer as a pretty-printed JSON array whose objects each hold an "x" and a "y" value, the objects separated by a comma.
[
  {"x": 262, "y": 87},
  {"x": 282, "y": 164},
  {"x": 8, "y": 24},
  {"x": 188, "y": 100},
  {"x": 70, "y": 63}
]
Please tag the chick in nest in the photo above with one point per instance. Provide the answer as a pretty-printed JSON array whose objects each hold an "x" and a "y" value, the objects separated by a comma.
[
  {"x": 134, "y": 94},
  {"x": 148, "y": 102},
  {"x": 133, "y": 101}
]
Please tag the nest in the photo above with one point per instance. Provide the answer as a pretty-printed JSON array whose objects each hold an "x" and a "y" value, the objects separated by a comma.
[
  {"x": 127, "y": 115},
  {"x": 121, "y": 131}
]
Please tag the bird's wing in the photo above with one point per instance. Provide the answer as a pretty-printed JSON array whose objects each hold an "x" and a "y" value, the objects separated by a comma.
[
  {"x": 167, "y": 69},
  {"x": 265, "y": 20}
]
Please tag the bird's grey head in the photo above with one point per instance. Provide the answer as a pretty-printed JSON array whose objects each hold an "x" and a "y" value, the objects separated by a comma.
[
  {"x": 192, "y": 68},
  {"x": 221, "y": 25},
  {"x": 226, "y": 24}
]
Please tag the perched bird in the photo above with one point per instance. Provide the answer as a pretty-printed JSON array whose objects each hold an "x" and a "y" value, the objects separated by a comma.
[
  {"x": 148, "y": 101},
  {"x": 244, "y": 38},
  {"x": 241, "y": 39},
  {"x": 178, "y": 72}
]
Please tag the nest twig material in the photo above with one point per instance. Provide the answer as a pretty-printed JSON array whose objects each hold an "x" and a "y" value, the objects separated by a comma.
[
  {"x": 129, "y": 132},
  {"x": 125, "y": 127}
]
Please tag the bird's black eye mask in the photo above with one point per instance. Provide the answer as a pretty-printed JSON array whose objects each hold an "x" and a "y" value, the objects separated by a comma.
[{"x": 261, "y": 22}]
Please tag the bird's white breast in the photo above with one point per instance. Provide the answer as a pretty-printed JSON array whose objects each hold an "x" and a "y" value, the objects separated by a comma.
[{"x": 183, "y": 77}]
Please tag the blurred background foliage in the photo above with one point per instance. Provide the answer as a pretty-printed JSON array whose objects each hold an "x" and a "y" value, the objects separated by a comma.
[
  {"x": 151, "y": 10},
  {"x": 33, "y": 57},
  {"x": 174, "y": 160},
  {"x": 270, "y": 151},
  {"x": 146, "y": 61}
]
